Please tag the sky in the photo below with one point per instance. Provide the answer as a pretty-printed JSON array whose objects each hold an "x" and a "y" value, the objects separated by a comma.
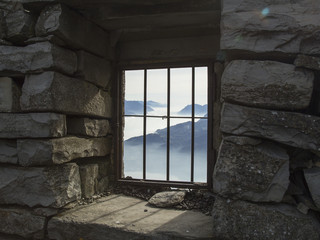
[{"x": 181, "y": 84}]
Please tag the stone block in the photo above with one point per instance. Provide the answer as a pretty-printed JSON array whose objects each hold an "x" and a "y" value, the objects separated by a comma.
[
  {"x": 293, "y": 129},
  {"x": 89, "y": 178},
  {"x": 252, "y": 221},
  {"x": 308, "y": 62},
  {"x": 251, "y": 169},
  {"x": 312, "y": 177},
  {"x": 103, "y": 185},
  {"x": 94, "y": 69},
  {"x": 32, "y": 125},
  {"x": 267, "y": 84},
  {"x": 54, "y": 92},
  {"x": 167, "y": 199},
  {"x": 72, "y": 28},
  {"x": 88, "y": 127},
  {"x": 22, "y": 222},
  {"x": 36, "y": 58},
  {"x": 8, "y": 151},
  {"x": 9, "y": 95},
  {"x": 277, "y": 26},
  {"x": 20, "y": 26},
  {"x": 46, "y": 187},
  {"x": 60, "y": 150}
]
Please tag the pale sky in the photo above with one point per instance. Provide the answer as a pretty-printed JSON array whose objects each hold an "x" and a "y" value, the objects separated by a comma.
[{"x": 157, "y": 86}]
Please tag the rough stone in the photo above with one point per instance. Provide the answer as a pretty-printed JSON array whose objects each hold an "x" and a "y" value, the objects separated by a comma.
[
  {"x": 312, "y": 177},
  {"x": 46, "y": 212},
  {"x": 20, "y": 26},
  {"x": 88, "y": 175},
  {"x": 167, "y": 199},
  {"x": 50, "y": 38},
  {"x": 251, "y": 169},
  {"x": 119, "y": 217},
  {"x": 88, "y": 127},
  {"x": 73, "y": 29},
  {"x": 9, "y": 95},
  {"x": 267, "y": 84},
  {"x": 271, "y": 26},
  {"x": 51, "y": 91},
  {"x": 35, "y": 58},
  {"x": 94, "y": 69},
  {"x": 308, "y": 62},
  {"x": 24, "y": 125},
  {"x": 293, "y": 129},
  {"x": 21, "y": 222},
  {"x": 251, "y": 221},
  {"x": 103, "y": 185},
  {"x": 45, "y": 187},
  {"x": 60, "y": 150},
  {"x": 8, "y": 151}
]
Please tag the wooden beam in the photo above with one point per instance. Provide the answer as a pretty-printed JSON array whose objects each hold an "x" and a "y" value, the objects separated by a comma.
[{"x": 176, "y": 49}]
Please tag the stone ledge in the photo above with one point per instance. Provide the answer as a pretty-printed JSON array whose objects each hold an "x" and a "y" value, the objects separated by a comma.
[{"x": 120, "y": 217}]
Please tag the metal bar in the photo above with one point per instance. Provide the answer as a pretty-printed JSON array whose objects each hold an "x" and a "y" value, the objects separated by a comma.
[
  {"x": 145, "y": 125},
  {"x": 210, "y": 150},
  {"x": 168, "y": 123},
  {"x": 192, "y": 131},
  {"x": 158, "y": 116},
  {"x": 163, "y": 183}
]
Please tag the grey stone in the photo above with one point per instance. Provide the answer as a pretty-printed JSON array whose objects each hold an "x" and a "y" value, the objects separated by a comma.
[
  {"x": 103, "y": 185},
  {"x": 8, "y": 151},
  {"x": 23, "y": 125},
  {"x": 293, "y": 129},
  {"x": 51, "y": 91},
  {"x": 35, "y": 58},
  {"x": 271, "y": 26},
  {"x": 10, "y": 237},
  {"x": 308, "y": 62},
  {"x": 21, "y": 222},
  {"x": 20, "y": 26},
  {"x": 252, "y": 221},
  {"x": 45, "y": 187},
  {"x": 45, "y": 212},
  {"x": 312, "y": 177},
  {"x": 9, "y": 95},
  {"x": 50, "y": 38},
  {"x": 94, "y": 69},
  {"x": 267, "y": 84},
  {"x": 3, "y": 29},
  {"x": 167, "y": 199},
  {"x": 73, "y": 29},
  {"x": 119, "y": 217},
  {"x": 89, "y": 178},
  {"x": 251, "y": 170},
  {"x": 88, "y": 127},
  {"x": 33, "y": 152}
]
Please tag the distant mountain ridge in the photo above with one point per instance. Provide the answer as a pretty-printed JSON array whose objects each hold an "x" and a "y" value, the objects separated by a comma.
[
  {"x": 180, "y": 137},
  {"x": 198, "y": 109}
]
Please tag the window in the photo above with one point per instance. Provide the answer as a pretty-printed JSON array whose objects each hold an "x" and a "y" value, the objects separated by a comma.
[{"x": 164, "y": 121}]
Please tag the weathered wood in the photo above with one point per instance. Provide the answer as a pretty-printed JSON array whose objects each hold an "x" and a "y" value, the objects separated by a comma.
[{"x": 172, "y": 49}]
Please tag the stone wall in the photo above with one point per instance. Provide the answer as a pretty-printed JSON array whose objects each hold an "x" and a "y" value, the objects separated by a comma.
[
  {"x": 268, "y": 166},
  {"x": 55, "y": 112}
]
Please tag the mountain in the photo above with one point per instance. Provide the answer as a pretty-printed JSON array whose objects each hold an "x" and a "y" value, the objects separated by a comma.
[
  {"x": 180, "y": 137},
  {"x": 156, "y": 104},
  {"x": 135, "y": 108},
  {"x": 198, "y": 109}
]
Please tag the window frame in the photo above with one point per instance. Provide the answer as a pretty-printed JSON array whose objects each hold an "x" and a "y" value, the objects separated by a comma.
[{"x": 118, "y": 120}]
